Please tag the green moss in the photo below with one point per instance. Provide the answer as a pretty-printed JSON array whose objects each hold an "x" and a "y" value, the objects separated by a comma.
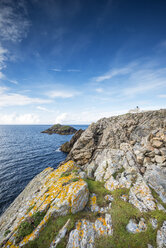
[
  {"x": 65, "y": 174},
  {"x": 26, "y": 227},
  {"x": 99, "y": 189},
  {"x": 30, "y": 208},
  {"x": 7, "y": 232},
  {"x": 74, "y": 180},
  {"x": 117, "y": 172}
]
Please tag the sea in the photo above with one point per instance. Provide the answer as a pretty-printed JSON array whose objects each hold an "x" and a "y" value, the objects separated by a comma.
[{"x": 25, "y": 152}]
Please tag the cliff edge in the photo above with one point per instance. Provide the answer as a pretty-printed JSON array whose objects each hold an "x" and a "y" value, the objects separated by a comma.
[{"x": 110, "y": 191}]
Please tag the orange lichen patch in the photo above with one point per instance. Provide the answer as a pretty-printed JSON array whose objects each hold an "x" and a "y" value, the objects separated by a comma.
[
  {"x": 93, "y": 200},
  {"x": 10, "y": 244},
  {"x": 55, "y": 190},
  {"x": 102, "y": 220}
]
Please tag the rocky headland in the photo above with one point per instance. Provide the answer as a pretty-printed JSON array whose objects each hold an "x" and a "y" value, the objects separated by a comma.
[
  {"x": 60, "y": 129},
  {"x": 110, "y": 191}
]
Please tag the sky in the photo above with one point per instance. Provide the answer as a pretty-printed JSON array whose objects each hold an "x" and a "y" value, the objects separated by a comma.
[{"x": 76, "y": 61}]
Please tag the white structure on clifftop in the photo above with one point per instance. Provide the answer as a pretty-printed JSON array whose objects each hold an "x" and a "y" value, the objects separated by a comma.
[{"x": 136, "y": 110}]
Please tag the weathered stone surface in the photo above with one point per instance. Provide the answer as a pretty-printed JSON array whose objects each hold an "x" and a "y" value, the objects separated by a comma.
[
  {"x": 154, "y": 223},
  {"x": 60, "y": 235},
  {"x": 155, "y": 176},
  {"x": 160, "y": 207},
  {"x": 161, "y": 236},
  {"x": 111, "y": 132},
  {"x": 108, "y": 198},
  {"x": 140, "y": 196},
  {"x": 61, "y": 192},
  {"x": 85, "y": 233},
  {"x": 66, "y": 147},
  {"x": 133, "y": 227}
]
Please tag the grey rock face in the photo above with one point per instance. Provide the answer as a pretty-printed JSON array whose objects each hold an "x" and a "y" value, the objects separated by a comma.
[
  {"x": 111, "y": 132},
  {"x": 140, "y": 196},
  {"x": 86, "y": 232},
  {"x": 161, "y": 236},
  {"x": 133, "y": 227},
  {"x": 60, "y": 235}
]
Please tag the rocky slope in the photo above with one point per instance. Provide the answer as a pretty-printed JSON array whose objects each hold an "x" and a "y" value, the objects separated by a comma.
[
  {"x": 60, "y": 129},
  {"x": 67, "y": 146},
  {"x": 111, "y": 194}
]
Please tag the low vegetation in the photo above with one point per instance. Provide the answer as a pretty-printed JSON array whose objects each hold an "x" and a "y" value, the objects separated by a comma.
[
  {"x": 121, "y": 213},
  {"x": 26, "y": 227}
]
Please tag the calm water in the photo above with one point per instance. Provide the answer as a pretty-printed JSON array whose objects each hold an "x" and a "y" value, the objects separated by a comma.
[{"x": 25, "y": 152}]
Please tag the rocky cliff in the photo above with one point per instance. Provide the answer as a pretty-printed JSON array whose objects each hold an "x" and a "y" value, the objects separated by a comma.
[{"x": 110, "y": 192}]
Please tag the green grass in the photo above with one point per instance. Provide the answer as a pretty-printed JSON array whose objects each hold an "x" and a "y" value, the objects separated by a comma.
[
  {"x": 121, "y": 213},
  {"x": 54, "y": 225},
  {"x": 99, "y": 189},
  {"x": 27, "y": 226}
]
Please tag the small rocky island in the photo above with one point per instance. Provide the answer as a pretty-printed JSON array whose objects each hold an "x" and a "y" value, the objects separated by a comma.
[
  {"x": 110, "y": 191},
  {"x": 60, "y": 129}
]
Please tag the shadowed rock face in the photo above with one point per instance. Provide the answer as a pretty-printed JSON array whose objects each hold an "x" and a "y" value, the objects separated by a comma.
[
  {"x": 111, "y": 132},
  {"x": 67, "y": 146},
  {"x": 60, "y": 129}
]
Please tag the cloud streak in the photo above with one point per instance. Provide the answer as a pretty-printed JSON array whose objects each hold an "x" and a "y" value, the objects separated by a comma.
[
  {"x": 62, "y": 94},
  {"x": 13, "y": 99},
  {"x": 14, "y": 24}
]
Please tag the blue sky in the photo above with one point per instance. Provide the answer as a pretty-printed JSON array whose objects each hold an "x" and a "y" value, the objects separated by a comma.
[{"x": 75, "y": 61}]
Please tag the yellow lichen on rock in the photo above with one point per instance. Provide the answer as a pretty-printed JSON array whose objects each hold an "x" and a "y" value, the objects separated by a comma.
[{"x": 62, "y": 192}]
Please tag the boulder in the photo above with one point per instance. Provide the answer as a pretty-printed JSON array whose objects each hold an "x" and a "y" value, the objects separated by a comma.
[
  {"x": 133, "y": 227},
  {"x": 86, "y": 232},
  {"x": 140, "y": 196},
  {"x": 66, "y": 147}
]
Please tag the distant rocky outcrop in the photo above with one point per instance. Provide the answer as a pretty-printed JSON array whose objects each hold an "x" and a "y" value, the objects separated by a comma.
[
  {"x": 111, "y": 194},
  {"x": 60, "y": 129},
  {"x": 67, "y": 146}
]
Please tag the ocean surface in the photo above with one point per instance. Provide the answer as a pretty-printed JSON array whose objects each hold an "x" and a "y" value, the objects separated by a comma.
[{"x": 25, "y": 152}]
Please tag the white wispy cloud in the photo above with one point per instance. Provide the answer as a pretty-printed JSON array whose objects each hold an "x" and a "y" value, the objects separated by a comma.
[
  {"x": 99, "y": 90},
  {"x": 73, "y": 70},
  {"x": 56, "y": 69},
  {"x": 145, "y": 80},
  {"x": 8, "y": 98},
  {"x": 162, "y": 96},
  {"x": 44, "y": 109},
  {"x": 62, "y": 94},
  {"x": 14, "y": 24},
  {"x": 115, "y": 72},
  {"x": 61, "y": 118},
  {"x": 19, "y": 118},
  {"x": 13, "y": 81},
  {"x": 68, "y": 70}
]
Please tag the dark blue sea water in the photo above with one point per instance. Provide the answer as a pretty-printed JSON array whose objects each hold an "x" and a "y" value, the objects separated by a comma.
[{"x": 25, "y": 152}]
